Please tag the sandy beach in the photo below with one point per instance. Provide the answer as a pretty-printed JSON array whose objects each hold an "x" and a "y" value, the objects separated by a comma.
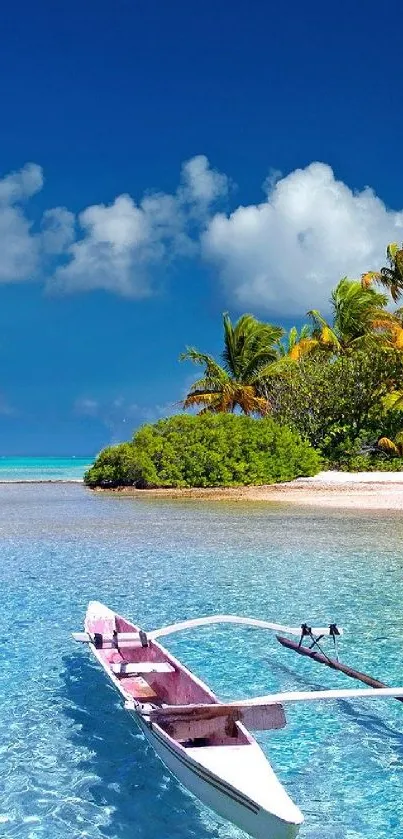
[{"x": 344, "y": 490}]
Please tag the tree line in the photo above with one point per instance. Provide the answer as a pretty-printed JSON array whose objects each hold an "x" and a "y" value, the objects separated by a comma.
[
  {"x": 277, "y": 404},
  {"x": 339, "y": 382}
]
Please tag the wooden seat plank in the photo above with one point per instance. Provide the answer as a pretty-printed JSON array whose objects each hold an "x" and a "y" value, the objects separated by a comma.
[{"x": 139, "y": 688}]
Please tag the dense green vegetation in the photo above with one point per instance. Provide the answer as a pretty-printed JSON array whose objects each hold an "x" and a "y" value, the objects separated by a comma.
[
  {"x": 336, "y": 381},
  {"x": 341, "y": 406},
  {"x": 277, "y": 404},
  {"x": 250, "y": 348},
  {"x": 205, "y": 451}
]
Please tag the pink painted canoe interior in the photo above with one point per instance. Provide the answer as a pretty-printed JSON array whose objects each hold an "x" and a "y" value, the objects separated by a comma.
[{"x": 176, "y": 688}]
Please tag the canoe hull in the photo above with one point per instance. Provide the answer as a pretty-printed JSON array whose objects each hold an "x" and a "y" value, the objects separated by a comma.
[
  {"x": 231, "y": 775},
  {"x": 220, "y": 797}
]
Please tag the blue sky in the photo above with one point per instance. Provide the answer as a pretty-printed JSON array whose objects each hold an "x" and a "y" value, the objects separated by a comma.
[{"x": 163, "y": 162}]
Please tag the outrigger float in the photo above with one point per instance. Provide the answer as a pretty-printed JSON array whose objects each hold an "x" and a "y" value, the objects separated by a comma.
[{"x": 206, "y": 743}]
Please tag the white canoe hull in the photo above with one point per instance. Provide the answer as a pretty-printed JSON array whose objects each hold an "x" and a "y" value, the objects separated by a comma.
[
  {"x": 237, "y": 782},
  {"x": 216, "y": 793}
]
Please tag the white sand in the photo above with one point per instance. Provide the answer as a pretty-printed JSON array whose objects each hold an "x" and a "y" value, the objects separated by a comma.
[
  {"x": 343, "y": 490},
  {"x": 354, "y": 478}
]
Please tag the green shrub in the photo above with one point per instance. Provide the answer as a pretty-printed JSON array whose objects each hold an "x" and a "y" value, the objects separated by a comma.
[
  {"x": 114, "y": 465},
  {"x": 371, "y": 462},
  {"x": 210, "y": 450}
]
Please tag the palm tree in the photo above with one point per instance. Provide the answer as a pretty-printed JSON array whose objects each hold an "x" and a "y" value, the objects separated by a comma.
[
  {"x": 392, "y": 447},
  {"x": 249, "y": 350},
  {"x": 359, "y": 316},
  {"x": 391, "y": 275},
  {"x": 297, "y": 344}
]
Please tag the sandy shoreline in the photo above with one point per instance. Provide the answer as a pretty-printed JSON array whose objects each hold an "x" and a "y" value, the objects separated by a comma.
[{"x": 344, "y": 490}]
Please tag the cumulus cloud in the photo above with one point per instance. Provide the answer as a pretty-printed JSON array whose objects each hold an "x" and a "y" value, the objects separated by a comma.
[
  {"x": 286, "y": 253},
  {"x": 58, "y": 230},
  {"x": 123, "y": 243},
  {"x": 112, "y": 253},
  {"x": 23, "y": 251},
  {"x": 282, "y": 255},
  {"x": 202, "y": 185},
  {"x": 118, "y": 247},
  {"x": 19, "y": 249},
  {"x": 17, "y": 186}
]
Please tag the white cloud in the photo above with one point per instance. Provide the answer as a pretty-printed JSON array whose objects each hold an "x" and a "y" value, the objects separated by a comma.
[
  {"x": 124, "y": 243},
  {"x": 285, "y": 254},
  {"x": 57, "y": 230},
  {"x": 282, "y": 255},
  {"x": 112, "y": 252},
  {"x": 22, "y": 250},
  {"x": 201, "y": 184},
  {"x": 17, "y": 186},
  {"x": 19, "y": 249},
  {"x": 117, "y": 247}
]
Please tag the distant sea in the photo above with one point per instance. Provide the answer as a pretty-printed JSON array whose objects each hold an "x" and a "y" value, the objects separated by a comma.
[{"x": 43, "y": 468}]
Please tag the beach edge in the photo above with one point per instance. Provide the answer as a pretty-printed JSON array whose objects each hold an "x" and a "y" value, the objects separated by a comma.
[{"x": 355, "y": 490}]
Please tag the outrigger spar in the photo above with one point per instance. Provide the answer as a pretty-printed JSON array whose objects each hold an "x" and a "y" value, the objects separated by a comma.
[
  {"x": 315, "y": 652},
  {"x": 129, "y": 637},
  {"x": 206, "y": 743}
]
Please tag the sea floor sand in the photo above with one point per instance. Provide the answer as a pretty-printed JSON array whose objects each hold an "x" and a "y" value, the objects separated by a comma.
[{"x": 348, "y": 490}]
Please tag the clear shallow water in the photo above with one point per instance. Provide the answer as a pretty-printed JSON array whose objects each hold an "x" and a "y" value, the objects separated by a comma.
[
  {"x": 72, "y": 762},
  {"x": 43, "y": 468}
]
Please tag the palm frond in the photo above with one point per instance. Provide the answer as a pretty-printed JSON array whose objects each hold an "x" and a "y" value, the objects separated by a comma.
[
  {"x": 318, "y": 321},
  {"x": 369, "y": 278},
  {"x": 210, "y": 400},
  {"x": 303, "y": 347},
  {"x": 229, "y": 352},
  {"x": 212, "y": 367},
  {"x": 391, "y": 251},
  {"x": 192, "y": 354},
  {"x": 388, "y": 446},
  {"x": 391, "y": 276}
]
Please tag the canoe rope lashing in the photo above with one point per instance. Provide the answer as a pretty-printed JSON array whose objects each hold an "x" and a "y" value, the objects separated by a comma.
[{"x": 306, "y": 632}]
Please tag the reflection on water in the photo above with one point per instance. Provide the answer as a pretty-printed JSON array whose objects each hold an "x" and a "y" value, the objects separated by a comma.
[
  {"x": 73, "y": 762},
  {"x": 125, "y": 778}
]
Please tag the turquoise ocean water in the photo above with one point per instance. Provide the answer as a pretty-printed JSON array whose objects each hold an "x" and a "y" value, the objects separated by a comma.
[
  {"x": 72, "y": 761},
  {"x": 43, "y": 468}
]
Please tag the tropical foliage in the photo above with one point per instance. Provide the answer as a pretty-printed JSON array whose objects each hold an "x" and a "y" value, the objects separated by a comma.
[
  {"x": 392, "y": 447},
  {"x": 391, "y": 275},
  {"x": 359, "y": 318},
  {"x": 340, "y": 406},
  {"x": 205, "y": 451},
  {"x": 333, "y": 389},
  {"x": 337, "y": 380},
  {"x": 250, "y": 347},
  {"x": 297, "y": 344}
]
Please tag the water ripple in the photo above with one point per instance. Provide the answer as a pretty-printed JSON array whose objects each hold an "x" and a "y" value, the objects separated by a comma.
[{"x": 74, "y": 764}]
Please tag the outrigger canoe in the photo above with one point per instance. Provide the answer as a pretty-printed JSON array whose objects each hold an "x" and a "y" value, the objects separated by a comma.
[{"x": 206, "y": 744}]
